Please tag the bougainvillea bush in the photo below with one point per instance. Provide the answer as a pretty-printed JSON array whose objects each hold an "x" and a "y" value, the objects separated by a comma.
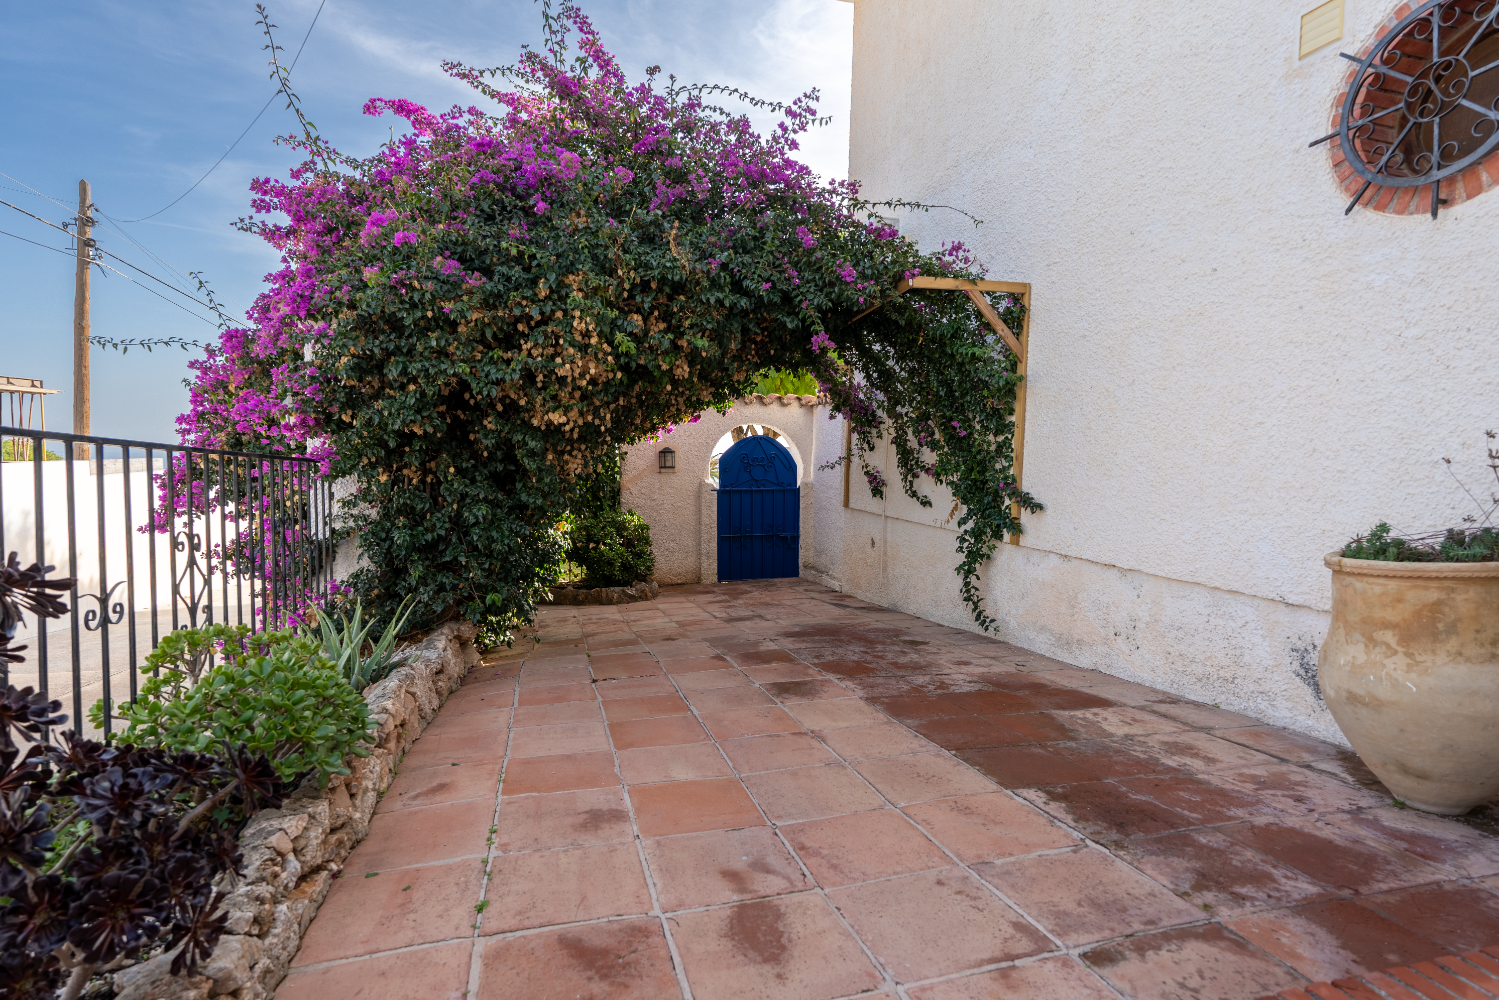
[{"x": 471, "y": 317}]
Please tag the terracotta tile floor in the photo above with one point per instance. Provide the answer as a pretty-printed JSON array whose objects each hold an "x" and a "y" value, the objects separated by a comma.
[{"x": 771, "y": 790}]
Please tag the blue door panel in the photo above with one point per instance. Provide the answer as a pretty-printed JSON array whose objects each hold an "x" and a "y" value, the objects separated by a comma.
[{"x": 759, "y": 512}]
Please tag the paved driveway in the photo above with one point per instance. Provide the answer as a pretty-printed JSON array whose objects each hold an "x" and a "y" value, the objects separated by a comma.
[{"x": 772, "y": 790}]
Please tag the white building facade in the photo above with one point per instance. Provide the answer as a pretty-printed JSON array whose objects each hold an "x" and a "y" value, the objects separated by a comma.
[{"x": 1227, "y": 376}]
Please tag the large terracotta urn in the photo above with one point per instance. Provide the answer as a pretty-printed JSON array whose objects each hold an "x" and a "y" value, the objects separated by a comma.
[{"x": 1410, "y": 670}]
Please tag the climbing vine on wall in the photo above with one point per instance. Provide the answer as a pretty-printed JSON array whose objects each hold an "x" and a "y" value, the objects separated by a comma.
[{"x": 469, "y": 319}]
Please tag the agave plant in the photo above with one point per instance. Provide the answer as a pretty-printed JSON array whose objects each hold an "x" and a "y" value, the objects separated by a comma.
[{"x": 345, "y": 638}]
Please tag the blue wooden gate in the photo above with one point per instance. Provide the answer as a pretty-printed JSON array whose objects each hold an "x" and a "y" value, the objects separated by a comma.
[{"x": 759, "y": 511}]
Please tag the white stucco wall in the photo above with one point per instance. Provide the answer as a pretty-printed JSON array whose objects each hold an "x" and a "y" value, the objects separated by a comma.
[
  {"x": 681, "y": 506},
  {"x": 1228, "y": 378}
]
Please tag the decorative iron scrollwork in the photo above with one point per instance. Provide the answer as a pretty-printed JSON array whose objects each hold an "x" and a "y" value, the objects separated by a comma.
[
  {"x": 196, "y": 593},
  {"x": 1424, "y": 104},
  {"x": 113, "y": 613}
]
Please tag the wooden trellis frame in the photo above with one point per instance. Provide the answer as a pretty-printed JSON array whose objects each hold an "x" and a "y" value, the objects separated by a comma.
[{"x": 1017, "y": 343}]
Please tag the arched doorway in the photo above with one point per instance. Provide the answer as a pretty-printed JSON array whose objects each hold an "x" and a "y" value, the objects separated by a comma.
[{"x": 759, "y": 511}]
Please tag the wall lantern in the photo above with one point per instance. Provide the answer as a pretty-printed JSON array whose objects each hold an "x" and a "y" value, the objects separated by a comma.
[{"x": 667, "y": 460}]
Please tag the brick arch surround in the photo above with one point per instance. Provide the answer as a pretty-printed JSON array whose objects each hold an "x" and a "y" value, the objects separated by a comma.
[{"x": 1457, "y": 189}]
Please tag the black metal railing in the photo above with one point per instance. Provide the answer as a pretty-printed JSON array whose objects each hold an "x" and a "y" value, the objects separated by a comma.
[{"x": 184, "y": 537}]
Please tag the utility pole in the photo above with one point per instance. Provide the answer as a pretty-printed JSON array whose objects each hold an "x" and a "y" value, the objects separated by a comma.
[{"x": 81, "y": 321}]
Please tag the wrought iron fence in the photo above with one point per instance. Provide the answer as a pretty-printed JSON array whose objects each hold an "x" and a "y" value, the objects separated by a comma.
[{"x": 157, "y": 537}]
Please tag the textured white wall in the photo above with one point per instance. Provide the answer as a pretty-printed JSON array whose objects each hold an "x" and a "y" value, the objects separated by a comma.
[
  {"x": 1228, "y": 378},
  {"x": 679, "y": 506}
]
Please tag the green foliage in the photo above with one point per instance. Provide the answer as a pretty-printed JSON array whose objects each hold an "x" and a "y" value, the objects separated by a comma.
[
  {"x": 291, "y": 705},
  {"x": 344, "y": 642},
  {"x": 16, "y": 450},
  {"x": 183, "y": 654},
  {"x": 613, "y": 547},
  {"x": 597, "y": 491},
  {"x": 1452, "y": 545},
  {"x": 785, "y": 382}
]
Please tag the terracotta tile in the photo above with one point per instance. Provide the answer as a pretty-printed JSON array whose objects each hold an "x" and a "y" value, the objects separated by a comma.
[
  {"x": 1297, "y": 790},
  {"x": 1204, "y": 801},
  {"x": 922, "y": 776},
  {"x": 1348, "y": 768},
  {"x": 552, "y": 677},
  {"x": 479, "y": 697},
  {"x": 1201, "y": 752},
  {"x": 424, "y": 835},
  {"x": 1063, "y": 699},
  {"x": 1123, "y": 720},
  {"x": 694, "y": 664},
  {"x": 802, "y": 793},
  {"x": 651, "y": 707},
  {"x": 722, "y": 866},
  {"x": 1336, "y": 938},
  {"x": 497, "y": 720},
  {"x": 562, "y": 819},
  {"x": 438, "y": 972},
  {"x": 1334, "y": 858},
  {"x": 1085, "y": 895},
  {"x": 862, "y": 846},
  {"x": 1049, "y": 727},
  {"x": 460, "y": 748},
  {"x": 740, "y": 722},
  {"x": 775, "y": 751},
  {"x": 577, "y": 737},
  {"x": 559, "y": 773},
  {"x": 429, "y": 786},
  {"x": 1224, "y": 878},
  {"x": 393, "y": 910},
  {"x": 916, "y": 707},
  {"x": 792, "y": 691},
  {"x": 705, "y": 680},
  {"x": 726, "y": 698},
  {"x": 1187, "y": 962},
  {"x": 672, "y": 763},
  {"x": 1456, "y": 916},
  {"x": 760, "y": 657},
  {"x": 1116, "y": 758},
  {"x": 1129, "y": 693},
  {"x": 1438, "y": 841},
  {"x": 780, "y": 673},
  {"x": 846, "y": 668},
  {"x": 1059, "y": 978},
  {"x": 792, "y": 946},
  {"x": 616, "y": 960},
  {"x": 1203, "y": 716},
  {"x": 635, "y": 687},
  {"x": 541, "y": 888},
  {"x": 995, "y": 702},
  {"x": 555, "y": 694},
  {"x": 671, "y": 730},
  {"x": 556, "y": 715},
  {"x": 988, "y": 827},
  {"x": 886, "y": 739},
  {"x": 840, "y": 713},
  {"x": 936, "y": 923},
  {"x": 967, "y": 732},
  {"x": 608, "y": 666},
  {"x": 674, "y": 807},
  {"x": 1026, "y": 766},
  {"x": 1280, "y": 743},
  {"x": 1106, "y": 811}
]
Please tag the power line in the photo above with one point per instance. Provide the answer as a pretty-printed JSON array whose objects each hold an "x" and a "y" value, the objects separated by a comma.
[
  {"x": 35, "y": 243},
  {"x": 122, "y": 274},
  {"x": 246, "y": 132}
]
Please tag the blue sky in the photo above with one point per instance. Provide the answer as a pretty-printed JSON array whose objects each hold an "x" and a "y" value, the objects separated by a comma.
[{"x": 141, "y": 99}]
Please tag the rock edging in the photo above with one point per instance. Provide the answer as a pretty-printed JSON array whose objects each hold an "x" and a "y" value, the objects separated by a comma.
[
  {"x": 292, "y": 854},
  {"x": 641, "y": 590}
]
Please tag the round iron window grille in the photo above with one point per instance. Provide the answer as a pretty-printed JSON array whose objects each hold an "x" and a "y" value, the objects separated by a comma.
[{"x": 1423, "y": 105}]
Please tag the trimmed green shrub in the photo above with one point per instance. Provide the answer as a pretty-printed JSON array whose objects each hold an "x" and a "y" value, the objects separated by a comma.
[
  {"x": 295, "y": 708},
  {"x": 613, "y": 547}
]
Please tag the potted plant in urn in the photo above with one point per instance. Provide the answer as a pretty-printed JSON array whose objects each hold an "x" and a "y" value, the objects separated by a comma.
[{"x": 1410, "y": 668}]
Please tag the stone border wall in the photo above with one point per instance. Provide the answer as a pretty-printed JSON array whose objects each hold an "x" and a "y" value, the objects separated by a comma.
[{"x": 292, "y": 854}]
